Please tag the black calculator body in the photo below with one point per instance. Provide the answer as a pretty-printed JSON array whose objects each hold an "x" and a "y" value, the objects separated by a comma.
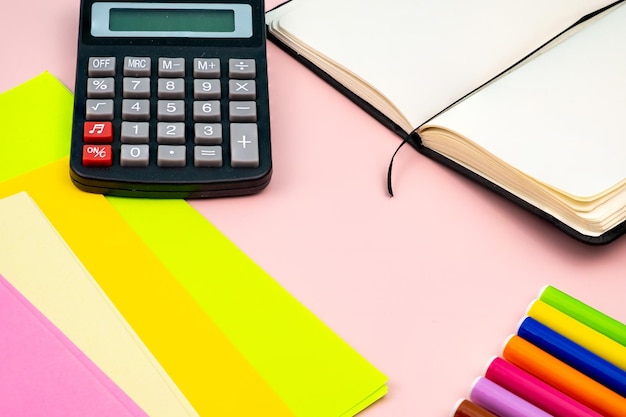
[{"x": 171, "y": 99}]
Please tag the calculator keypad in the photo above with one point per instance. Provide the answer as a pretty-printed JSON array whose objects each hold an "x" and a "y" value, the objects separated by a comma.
[{"x": 175, "y": 112}]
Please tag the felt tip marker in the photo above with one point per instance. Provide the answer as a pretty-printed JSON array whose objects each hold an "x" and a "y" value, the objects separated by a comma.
[
  {"x": 563, "y": 377},
  {"x": 574, "y": 355},
  {"x": 535, "y": 391},
  {"x": 501, "y": 402},
  {"x": 585, "y": 314},
  {"x": 577, "y": 332},
  {"x": 466, "y": 408}
]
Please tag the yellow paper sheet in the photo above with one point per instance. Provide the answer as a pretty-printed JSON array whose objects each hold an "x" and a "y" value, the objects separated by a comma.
[
  {"x": 38, "y": 263},
  {"x": 206, "y": 366},
  {"x": 309, "y": 366}
]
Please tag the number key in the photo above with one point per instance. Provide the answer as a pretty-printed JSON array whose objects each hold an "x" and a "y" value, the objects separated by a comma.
[
  {"x": 171, "y": 133},
  {"x": 136, "y": 87},
  {"x": 134, "y": 155},
  {"x": 171, "y": 111},
  {"x": 208, "y": 134},
  {"x": 171, "y": 88},
  {"x": 206, "y": 111},
  {"x": 135, "y": 132},
  {"x": 136, "y": 110},
  {"x": 206, "y": 89}
]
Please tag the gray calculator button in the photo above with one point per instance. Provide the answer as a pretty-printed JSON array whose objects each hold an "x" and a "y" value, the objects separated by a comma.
[
  {"x": 207, "y": 134},
  {"x": 101, "y": 67},
  {"x": 242, "y": 68},
  {"x": 101, "y": 87},
  {"x": 171, "y": 88},
  {"x": 207, "y": 156},
  {"x": 171, "y": 156},
  {"x": 135, "y": 110},
  {"x": 135, "y": 132},
  {"x": 134, "y": 155},
  {"x": 171, "y": 67},
  {"x": 206, "y": 111},
  {"x": 99, "y": 110},
  {"x": 244, "y": 145},
  {"x": 136, "y": 87},
  {"x": 206, "y": 89},
  {"x": 242, "y": 111},
  {"x": 171, "y": 133},
  {"x": 242, "y": 89},
  {"x": 137, "y": 66},
  {"x": 206, "y": 68},
  {"x": 171, "y": 110}
]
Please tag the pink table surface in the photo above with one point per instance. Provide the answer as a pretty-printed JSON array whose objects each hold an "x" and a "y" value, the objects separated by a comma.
[{"x": 427, "y": 285}]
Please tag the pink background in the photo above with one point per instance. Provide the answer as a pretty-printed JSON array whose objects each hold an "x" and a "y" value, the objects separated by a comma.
[{"x": 426, "y": 285}]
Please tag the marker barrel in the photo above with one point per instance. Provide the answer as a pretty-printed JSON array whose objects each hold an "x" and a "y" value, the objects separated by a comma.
[
  {"x": 574, "y": 355},
  {"x": 563, "y": 377},
  {"x": 585, "y": 314},
  {"x": 501, "y": 402},
  {"x": 466, "y": 408},
  {"x": 535, "y": 391},
  {"x": 577, "y": 332}
]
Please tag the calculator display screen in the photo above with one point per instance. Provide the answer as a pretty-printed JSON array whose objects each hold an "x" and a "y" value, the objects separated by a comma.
[
  {"x": 184, "y": 20},
  {"x": 172, "y": 20}
]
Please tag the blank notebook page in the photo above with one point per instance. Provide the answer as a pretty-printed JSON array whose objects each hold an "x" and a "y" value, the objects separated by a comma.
[
  {"x": 560, "y": 117},
  {"x": 424, "y": 55}
]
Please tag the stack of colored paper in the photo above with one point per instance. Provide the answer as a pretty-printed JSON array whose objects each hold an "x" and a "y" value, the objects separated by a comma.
[
  {"x": 567, "y": 359},
  {"x": 153, "y": 309}
]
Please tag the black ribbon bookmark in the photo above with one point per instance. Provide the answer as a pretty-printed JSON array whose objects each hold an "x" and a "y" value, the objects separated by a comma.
[
  {"x": 412, "y": 139},
  {"x": 389, "y": 180}
]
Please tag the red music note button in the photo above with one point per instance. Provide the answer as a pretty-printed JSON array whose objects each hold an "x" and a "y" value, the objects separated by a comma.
[{"x": 98, "y": 132}]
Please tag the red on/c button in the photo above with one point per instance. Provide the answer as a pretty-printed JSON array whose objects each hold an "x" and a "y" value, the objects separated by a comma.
[
  {"x": 98, "y": 132},
  {"x": 97, "y": 155}
]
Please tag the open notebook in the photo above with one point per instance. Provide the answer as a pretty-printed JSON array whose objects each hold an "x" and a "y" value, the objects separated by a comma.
[{"x": 525, "y": 96}]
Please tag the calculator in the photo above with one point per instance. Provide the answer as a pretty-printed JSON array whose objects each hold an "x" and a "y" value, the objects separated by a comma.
[{"x": 171, "y": 99}]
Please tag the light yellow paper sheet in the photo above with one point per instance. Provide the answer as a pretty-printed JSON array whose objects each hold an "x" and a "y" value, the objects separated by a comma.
[{"x": 38, "y": 263}]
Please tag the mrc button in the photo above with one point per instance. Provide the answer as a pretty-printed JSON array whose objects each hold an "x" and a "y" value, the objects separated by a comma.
[{"x": 137, "y": 66}]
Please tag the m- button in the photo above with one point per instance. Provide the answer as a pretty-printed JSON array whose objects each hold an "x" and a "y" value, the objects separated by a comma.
[
  {"x": 137, "y": 66},
  {"x": 171, "y": 67}
]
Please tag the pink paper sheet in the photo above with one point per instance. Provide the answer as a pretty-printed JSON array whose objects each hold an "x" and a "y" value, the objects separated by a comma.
[{"x": 42, "y": 373}]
